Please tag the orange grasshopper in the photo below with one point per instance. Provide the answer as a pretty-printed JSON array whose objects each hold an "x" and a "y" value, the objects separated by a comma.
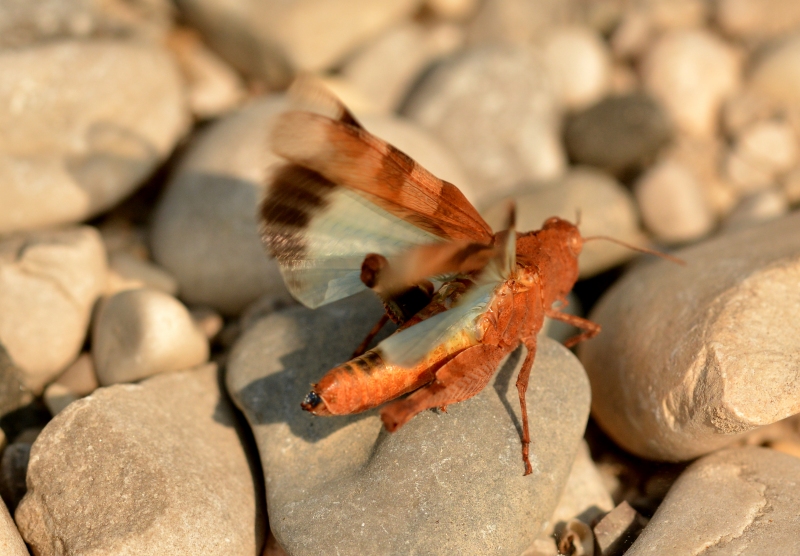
[{"x": 349, "y": 211}]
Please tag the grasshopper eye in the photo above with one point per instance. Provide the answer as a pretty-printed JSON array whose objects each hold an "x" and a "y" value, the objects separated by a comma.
[
  {"x": 576, "y": 245},
  {"x": 552, "y": 221}
]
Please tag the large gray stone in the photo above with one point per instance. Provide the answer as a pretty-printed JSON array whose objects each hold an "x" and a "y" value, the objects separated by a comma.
[
  {"x": 692, "y": 356},
  {"x": 445, "y": 483},
  {"x": 149, "y": 469}
]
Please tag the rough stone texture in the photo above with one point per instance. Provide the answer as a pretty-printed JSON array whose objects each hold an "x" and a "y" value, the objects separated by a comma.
[
  {"x": 11, "y": 543},
  {"x": 580, "y": 63},
  {"x": 48, "y": 284},
  {"x": 673, "y": 204},
  {"x": 496, "y": 108},
  {"x": 270, "y": 40},
  {"x": 385, "y": 70},
  {"x": 149, "y": 469},
  {"x": 81, "y": 125},
  {"x": 24, "y": 22},
  {"x": 139, "y": 333},
  {"x": 692, "y": 72},
  {"x": 757, "y": 19},
  {"x": 445, "y": 483},
  {"x": 606, "y": 208},
  {"x": 618, "y": 133},
  {"x": 692, "y": 355},
  {"x": 204, "y": 230},
  {"x": 617, "y": 531},
  {"x": 739, "y": 501}
]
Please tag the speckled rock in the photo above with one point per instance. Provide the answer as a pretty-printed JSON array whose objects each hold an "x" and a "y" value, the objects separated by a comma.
[
  {"x": 691, "y": 73},
  {"x": 580, "y": 63},
  {"x": 618, "y": 134},
  {"x": 447, "y": 483},
  {"x": 82, "y": 124},
  {"x": 31, "y": 21},
  {"x": 739, "y": 501},
  {"x": 11, "y": 543},
  {"x": 605, "y": 206},
  {"x": 142, "y": 332},
  {"x": 204, "y": 230},
  {"x": 690, "y": 357},
  {"x": 673, "y": 204},
  {"x": 270, "y": 40},
  {"x": 48, "y": 284},
  {"x": 757, "y": 19},
  {"x": 387, "y": 68},
  {"x": 496, "y": 108},
  {"x": 154, "y": 468}
]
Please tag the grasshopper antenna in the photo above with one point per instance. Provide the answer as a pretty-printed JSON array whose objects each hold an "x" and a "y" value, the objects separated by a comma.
[{"x": 675, "y": 260}]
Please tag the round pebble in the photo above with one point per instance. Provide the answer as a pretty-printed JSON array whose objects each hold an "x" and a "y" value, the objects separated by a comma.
[
  {"x": 82, "y": 124},
  {"x": 49, "y": 282},
  {"x": 139, "y": 333},
  {"x": 691, "y": 73},
  {"x": 580, "y": 63},
  {"x": 496, "y": 108}
]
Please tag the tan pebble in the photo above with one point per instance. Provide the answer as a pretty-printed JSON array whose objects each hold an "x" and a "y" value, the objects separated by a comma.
[
  {"x": 11, "y": 543},
  {"x": 776, "y": 73},
  {"x": 791, "y": 186},
  {"x": 80, "y": 377},
  {"x": 757, "y": 19},
  {"x": 757, "y": 208},
  {"x": 385, "y": 70},
  {"x": 127, "y": 272},
  {"x": 618, "y": 529},
  {"x": 672, "y": 203},
  {"x": 208, "y": 320},
  {"x": 580, "y": 61},
  {"x": 747, "y": 175},
  {"x": 692, "y": 72},
  {"x": 453, "y": 9},
  {"x": 790, "y": 448},
  {"x": 213, "y": 87},
  {"x": 139, "y": 333}
]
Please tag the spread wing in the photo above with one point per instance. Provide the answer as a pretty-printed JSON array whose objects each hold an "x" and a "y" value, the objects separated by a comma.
[
  {"x": 345, "y": 194},
  {"x": 409, "y": 346}
]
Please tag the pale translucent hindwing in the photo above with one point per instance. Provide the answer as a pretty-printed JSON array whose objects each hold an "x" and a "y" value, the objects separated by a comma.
[
  {"x": 336, "y": 241},
  {"x": 409, "y": 346}
]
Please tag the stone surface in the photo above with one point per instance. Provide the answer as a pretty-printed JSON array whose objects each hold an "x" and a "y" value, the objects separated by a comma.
[
  {"x": 605, "y": 206},
  {"x": 82, "y": 124},
  {"x": 691, "y": 356},
  {"x": 13, "y": 466},
  {"x": 77, "y": 381},
  {"x": 673, "y": 204},
  {"x": 691, "y": 72},
  {"x": 776, "y": 73},
  {"x": 154, "y": 468},
  {"x": 444, "y": 483},
  {"x": 23, "y": 23},
  {"x": 139, "y": 333},
  {"x": 762, "y": 152},
  {"x": 757, "y": 19},
  {"x": 580, "y": 63},
  {"x": 617, "y": 531},
  {"x": 738, "y": 501},
  {"x": 385, "y": 70},
  {"x": 11, "y": 543},
  {"x": 644, "y": 20},
  {"x": 48, "y": 284},
  {"x": 520, "y": 21},
  {"x": 757, "y": 208},
  {"x": 618, "y": 134},
  {"x": 204, "y": 230},
  {"x": 270, "y": 40},
  {"x": 13, "y": 394},
  {"x": 127, "y": 272},
  {"x": 212, "y": 86},
  {"x": 585, "y": 497},
  {"x": 496, "y": 108}
]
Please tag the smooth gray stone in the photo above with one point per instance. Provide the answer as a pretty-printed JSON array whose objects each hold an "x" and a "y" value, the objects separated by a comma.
[{"x": 445, "y": 483}]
